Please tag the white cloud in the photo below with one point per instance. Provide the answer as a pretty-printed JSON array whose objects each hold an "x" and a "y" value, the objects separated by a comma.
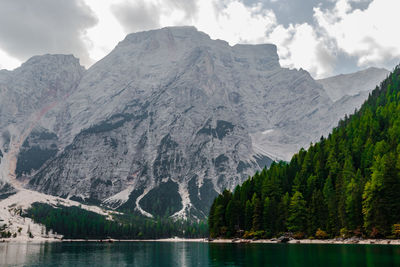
[
  {"x": 34, "y": 27},
  {"x": 8, "y": 62},
  {"x": 370, "y": 35},
  {"x": 300, "y": 47},
  {"x": 229, "y": 20},
  {"x": 235, "y": 22},
  {"x": 103, "y": 37},
  {"x": 367, "y": 34}
]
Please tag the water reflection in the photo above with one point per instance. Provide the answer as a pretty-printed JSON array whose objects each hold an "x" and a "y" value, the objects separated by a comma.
[
  {"x": 304, "y": 255},
  {"x": 195, "y": 254},
  {"x": 18, "y": 254}
]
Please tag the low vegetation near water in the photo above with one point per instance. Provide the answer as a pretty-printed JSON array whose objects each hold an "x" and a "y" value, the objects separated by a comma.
[{"x": 345, "y": 185}]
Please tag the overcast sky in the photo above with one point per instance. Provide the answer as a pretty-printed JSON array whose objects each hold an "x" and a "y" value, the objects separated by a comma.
[{"x": 324, "y": 37}]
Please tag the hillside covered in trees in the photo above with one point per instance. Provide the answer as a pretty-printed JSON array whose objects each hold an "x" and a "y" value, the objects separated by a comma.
[
  {"x": 347, "y": 184},
  {"x": 77, "y": 223}
]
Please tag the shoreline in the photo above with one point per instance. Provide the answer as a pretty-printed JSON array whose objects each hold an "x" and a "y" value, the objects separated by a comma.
[
  {"x": 215, "y": 241},
  {"x": 349, "y": 241}
]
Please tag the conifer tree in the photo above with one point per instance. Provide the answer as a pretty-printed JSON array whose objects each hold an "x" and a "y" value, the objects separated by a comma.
[
  {"x": 297, "y": 213},
  {"x": 257, "y": 213},
  {"x": 348, "y": 182}
]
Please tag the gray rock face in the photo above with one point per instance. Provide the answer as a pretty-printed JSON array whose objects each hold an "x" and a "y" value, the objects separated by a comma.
[
  {"x": 166, "y": 105},
  {"x": 353, "y": 84},
  {"x": 167, "y": 120},
  {"x": 26, "y": 95},
  {"x": 40, "y": 81}
]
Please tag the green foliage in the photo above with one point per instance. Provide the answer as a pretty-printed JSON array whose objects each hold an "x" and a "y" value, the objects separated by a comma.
[
  {"x": 297, "y": 213},
  {"x": 254, "y": 234},
  {"x": 164, "y": 199},
  {"x": 217, "y": 218},
  {"x": 5, "y": 234},
  {"x": 347, "y": 183},
  {"x": 257, "y": 213},
  {"x": 76, "y": 223}
]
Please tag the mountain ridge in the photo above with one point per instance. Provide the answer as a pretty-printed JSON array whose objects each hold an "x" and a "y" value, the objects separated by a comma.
[{"x": 353, "y": 83}]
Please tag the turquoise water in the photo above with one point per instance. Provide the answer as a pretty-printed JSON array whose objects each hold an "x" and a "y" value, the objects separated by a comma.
[{"x": 196, "y": 254}]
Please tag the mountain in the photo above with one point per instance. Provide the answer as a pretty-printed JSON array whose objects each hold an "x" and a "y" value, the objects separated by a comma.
[
  {"x": 345, "y": 185},
  {"x": 160, "y": 125},
  {"x": 349, "y": 91},
  {"x": 26, "y": 95},
  {"x": 353, "y": 84}
]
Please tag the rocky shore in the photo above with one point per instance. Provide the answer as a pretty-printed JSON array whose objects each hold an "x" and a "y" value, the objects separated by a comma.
[{"x": 353, "y": 240}]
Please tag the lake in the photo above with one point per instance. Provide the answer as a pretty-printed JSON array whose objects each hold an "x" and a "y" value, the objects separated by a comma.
[{"x": 195, "y": 254}]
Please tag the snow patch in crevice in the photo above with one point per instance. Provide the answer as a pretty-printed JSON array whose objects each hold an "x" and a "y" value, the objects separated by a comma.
[
  {"x": 142, "y": 211},
  {"x": 185, "y": 200}
]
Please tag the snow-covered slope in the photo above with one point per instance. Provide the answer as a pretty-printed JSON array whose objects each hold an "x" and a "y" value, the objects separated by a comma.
[{"x": 168, "y": 119}]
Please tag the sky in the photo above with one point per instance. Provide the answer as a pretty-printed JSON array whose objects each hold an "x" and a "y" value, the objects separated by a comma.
[{"x": 326, "y": 38}]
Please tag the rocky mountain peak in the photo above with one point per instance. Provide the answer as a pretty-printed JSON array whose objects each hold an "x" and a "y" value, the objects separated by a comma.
[
  {"x": 47, "y": 75},
  {"x": 46, "y": 66},
  {"x": 167, "y": 35},
  {"x": 174, "y": 110},
  {"x": 51, "y": 59},
  {"x": 162, "y": 124},
  {"x": 171, "y": 43}
]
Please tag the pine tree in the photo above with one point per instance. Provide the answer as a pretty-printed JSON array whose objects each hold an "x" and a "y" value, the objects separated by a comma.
[
  {"x": 297, "y": 213},
  {"x": 372, "y": 207},
  {"x": 316, "y": 212},
  {"x": 330, "y": 202},
  {"x": 353, "y": 198},
  {"x": 270, "y": 216},
  {"x": 257, "y": 213},
  {"x": 248, "y": 215},
  {"x": 233, "y": 216},
  {"x": 283, "y": 213}
]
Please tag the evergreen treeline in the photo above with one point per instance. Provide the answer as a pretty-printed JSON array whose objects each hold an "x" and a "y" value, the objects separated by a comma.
[
  {"x": 346, "y": 184},
  {"x": 77, "y": 223}
]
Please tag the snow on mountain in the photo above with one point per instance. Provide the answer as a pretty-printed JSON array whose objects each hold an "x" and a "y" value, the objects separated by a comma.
[{"x": 162, "y": 124}]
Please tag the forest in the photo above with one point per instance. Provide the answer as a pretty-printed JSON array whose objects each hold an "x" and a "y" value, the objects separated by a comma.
[
  {"x": 77, "y": 223},
  {"x": 347, "y": 184}
]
